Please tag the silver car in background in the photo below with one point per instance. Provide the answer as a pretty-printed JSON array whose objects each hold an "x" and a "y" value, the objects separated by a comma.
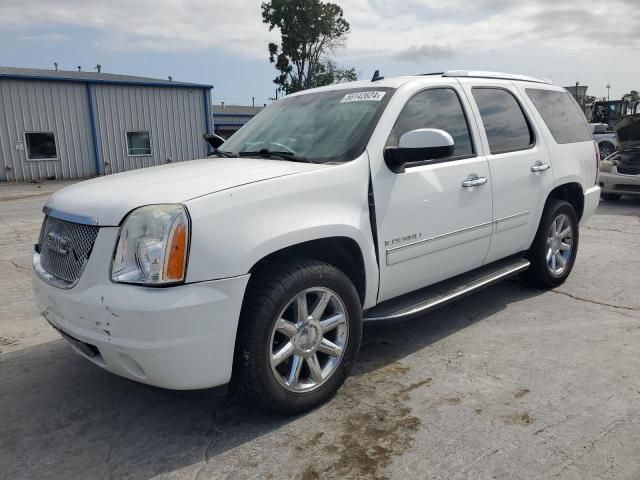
[{"x": 620, "y": 171}]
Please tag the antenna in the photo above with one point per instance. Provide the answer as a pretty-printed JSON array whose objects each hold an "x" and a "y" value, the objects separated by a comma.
[{"x": 376, "y": 76}]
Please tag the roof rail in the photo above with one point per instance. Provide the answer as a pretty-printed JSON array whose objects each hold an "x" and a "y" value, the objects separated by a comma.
[{"x": 499, "y": 75}]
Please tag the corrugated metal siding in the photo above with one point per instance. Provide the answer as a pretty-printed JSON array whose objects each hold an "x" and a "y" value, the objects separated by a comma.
[
  {"x": 174, "y": 118},
  {"x": 45, "y": 106}
]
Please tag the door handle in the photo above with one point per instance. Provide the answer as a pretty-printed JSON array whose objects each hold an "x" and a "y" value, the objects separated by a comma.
[
  {"x": 474, "y": 181},
  {"x": 540, "y": 167}
]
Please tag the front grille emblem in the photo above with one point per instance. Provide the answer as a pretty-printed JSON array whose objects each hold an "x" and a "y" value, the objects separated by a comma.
[{"x": 57, "y": 243}]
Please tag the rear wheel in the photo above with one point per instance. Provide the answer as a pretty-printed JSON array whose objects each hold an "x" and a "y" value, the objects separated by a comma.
[
  {"x": 299, "y": 335},
  {"x": 611, "y": 197},
  {"x": 554, "y": 249}
]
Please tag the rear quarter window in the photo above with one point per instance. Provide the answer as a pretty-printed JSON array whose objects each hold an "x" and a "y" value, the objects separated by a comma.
[{"x": 563, "y": 117}]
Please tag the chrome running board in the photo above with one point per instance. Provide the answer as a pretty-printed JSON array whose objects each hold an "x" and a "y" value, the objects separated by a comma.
[{"x": 435, "y": 296}]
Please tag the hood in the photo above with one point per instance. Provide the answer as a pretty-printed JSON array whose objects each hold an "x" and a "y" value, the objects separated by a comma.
[
  {"x": 108, "y": 199},
  {"x": 628, "y": 132}
]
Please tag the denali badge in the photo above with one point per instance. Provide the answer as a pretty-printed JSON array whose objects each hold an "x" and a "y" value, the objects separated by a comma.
[{"x": 58, "y": 243}]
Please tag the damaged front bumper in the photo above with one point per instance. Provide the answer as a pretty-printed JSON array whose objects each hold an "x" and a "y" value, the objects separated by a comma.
[{"x": 179, "y": 337}]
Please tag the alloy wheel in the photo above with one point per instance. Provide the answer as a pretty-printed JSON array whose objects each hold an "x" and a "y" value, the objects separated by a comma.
[
  {"x": 559, "y": 245},
  {"x": 308, "y": 340}
]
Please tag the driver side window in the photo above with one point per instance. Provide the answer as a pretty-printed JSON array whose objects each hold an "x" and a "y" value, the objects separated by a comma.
[{"x": 435, "y": 108}]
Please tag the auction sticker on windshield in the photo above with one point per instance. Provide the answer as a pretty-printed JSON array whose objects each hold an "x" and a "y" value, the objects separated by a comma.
[{"x": 372, "y": 96}]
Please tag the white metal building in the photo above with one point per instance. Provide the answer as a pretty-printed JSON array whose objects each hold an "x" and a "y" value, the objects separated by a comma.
[{"x": 63, "y": 124}]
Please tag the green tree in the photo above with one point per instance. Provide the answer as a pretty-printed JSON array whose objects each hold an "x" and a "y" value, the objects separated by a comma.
[
  {"x": 633, "y": 96},
  {"x": 310, "y": 31}
]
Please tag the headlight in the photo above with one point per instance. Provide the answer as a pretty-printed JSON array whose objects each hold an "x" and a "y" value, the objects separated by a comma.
[
  {"x": 606, "y": 166},
  {"x": 152, "y": 247}
]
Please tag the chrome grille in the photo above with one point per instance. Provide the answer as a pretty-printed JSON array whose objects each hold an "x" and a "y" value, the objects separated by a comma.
[
  {"x": 65, "y": 247},
  {"x": 628, "y": 170}
]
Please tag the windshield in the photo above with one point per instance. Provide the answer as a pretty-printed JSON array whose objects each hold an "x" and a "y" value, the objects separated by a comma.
[{"x": 331, "y": 126}]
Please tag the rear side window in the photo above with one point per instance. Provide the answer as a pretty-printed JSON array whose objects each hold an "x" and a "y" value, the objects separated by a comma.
[
  {"x": 506, "y": 126},
  {"x": 435, "y": 108},
  {"x": 563, "y": 117}
]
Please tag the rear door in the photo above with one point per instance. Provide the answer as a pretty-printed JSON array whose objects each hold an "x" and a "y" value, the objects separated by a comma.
[{"x": 519, "y": 162}]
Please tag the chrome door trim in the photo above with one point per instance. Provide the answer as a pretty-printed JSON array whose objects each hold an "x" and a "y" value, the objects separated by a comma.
[
  {"x": 438, "y": 237},
  {"x": 511, "y": 217},
  {"x": 70, "y": 217}
]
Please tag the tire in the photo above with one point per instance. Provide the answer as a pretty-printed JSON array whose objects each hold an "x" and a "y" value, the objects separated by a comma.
[
  {"x": 276, "y": 293},
  {"x": 610, "y": 197},
  {"x": 542, "y": 272},
  {"x": 606, "y": 149}
]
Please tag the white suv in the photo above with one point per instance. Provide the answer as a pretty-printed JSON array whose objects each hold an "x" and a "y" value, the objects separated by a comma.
[{"x": 359, "y": 202}]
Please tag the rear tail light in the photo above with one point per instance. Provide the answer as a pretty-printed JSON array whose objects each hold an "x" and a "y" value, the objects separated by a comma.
[{"x": 595, "y": 144}]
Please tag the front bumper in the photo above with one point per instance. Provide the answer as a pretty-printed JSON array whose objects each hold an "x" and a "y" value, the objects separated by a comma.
[
  {"x": 620, "y": 184},
  {"x": 179, "y": 337}
]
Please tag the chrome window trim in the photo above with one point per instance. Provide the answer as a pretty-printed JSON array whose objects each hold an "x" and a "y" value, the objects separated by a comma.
[{"x": 70, "y": 217}]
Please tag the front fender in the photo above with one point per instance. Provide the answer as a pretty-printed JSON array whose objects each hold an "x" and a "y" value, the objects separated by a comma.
[{"x": 234, "y": 229}]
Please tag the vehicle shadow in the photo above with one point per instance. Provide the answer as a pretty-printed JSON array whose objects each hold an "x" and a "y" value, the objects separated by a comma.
[{"x": 63, "y": 417}]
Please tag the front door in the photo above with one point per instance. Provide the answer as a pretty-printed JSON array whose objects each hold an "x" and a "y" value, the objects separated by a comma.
[
  {"x": 434, "y": 219},
  {"x": 519, "y": 162}
]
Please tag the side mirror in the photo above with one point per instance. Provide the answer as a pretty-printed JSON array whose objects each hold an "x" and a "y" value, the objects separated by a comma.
[
  {"x": 419, "y": 146},
  {"x": 214, "y": 140}
]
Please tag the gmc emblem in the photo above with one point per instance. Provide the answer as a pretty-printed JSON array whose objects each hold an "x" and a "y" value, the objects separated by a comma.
[{"x": 57, "y": 243}]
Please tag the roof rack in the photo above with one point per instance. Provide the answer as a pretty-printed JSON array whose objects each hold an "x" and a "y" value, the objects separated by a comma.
[{"x": 498, "y": 75}]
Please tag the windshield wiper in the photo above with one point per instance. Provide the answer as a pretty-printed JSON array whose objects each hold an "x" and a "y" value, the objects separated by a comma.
[
  {"x": 224, "y": 153},
  {"x": 272, "y": 153}
]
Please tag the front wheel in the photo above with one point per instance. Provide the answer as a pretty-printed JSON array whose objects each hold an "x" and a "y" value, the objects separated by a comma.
[
  {"x": 299, "y": 335},
  {"x": 554, "y": 249}
]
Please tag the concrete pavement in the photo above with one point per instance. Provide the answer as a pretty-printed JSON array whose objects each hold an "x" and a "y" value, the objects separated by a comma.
[{"x": 510, "y": 383}]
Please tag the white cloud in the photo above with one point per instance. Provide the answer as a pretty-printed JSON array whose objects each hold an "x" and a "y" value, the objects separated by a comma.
[
  {"x": 160, "y": 25},
  {"x": 398, "y": 28},
  {"x": 391, "y": 26}
]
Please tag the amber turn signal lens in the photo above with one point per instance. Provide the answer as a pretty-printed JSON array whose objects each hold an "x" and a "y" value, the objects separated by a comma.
[{"x": 176, "y": 253}]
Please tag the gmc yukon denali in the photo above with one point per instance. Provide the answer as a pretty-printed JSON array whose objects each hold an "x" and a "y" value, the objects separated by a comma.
[{"x": 359, "y": 202}]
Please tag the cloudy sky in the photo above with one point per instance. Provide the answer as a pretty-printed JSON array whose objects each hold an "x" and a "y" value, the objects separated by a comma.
[{"x": 223, "y": 42}]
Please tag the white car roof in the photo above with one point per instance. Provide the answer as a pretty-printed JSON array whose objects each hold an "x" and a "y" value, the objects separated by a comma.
[{"x": 396, "y": 82}]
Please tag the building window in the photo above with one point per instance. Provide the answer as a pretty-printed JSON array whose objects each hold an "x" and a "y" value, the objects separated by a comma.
[
  {"x": 41, "y": 145},
  {"x": 138, "y": 143}
]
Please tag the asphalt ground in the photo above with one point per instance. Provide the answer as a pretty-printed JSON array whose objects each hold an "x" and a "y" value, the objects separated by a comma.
[{"x": 510, "y": 383}]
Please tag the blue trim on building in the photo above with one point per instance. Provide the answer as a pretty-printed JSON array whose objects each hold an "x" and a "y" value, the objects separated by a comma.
[
  {"x": 230, "y": 124},
  {"x": 207, "y": 117},
  {"x": 130, "y": 83},
  {"x": 241, "y": 115},
  {"x": 94, "y": 131}
]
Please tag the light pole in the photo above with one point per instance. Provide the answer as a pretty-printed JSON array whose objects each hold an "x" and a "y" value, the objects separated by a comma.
[{"x": 608, "y": 91}]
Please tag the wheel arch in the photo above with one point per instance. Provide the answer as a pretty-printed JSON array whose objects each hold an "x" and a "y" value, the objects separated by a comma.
[
  {"x": 344, "y": 253},
  {"x": 570, "y": 192}
]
